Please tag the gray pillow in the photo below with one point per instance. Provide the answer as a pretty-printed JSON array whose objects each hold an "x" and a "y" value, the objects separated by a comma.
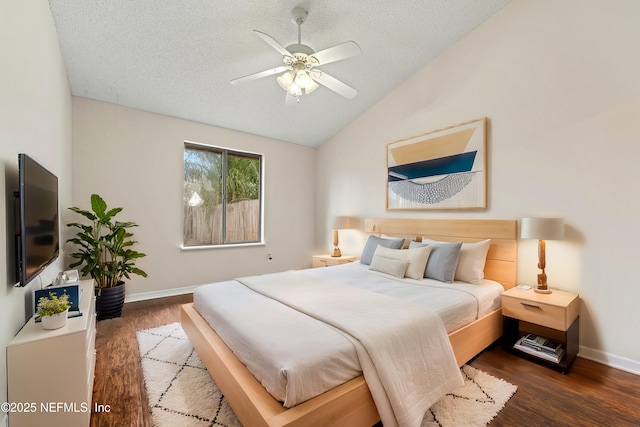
[
  {"x": 372, "y": 244},
  {"x": 442, "y": 261}
]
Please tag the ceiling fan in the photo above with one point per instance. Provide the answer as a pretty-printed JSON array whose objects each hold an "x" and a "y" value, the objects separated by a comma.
[{"x": 299, "y": 72}]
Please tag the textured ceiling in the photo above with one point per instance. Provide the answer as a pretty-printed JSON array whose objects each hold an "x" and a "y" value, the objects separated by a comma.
[{"x": 177, "y": 57}]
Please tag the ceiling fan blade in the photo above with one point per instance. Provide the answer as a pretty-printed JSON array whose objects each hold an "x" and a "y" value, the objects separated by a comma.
[
  {"x": 273, "y": 43},
  {"x": 261, "y": 74},
  {"x": 334, "y": 84},
  {"x": 338, "y": 52}
]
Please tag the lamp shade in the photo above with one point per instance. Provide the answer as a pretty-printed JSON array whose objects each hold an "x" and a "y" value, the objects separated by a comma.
[
  {"x": 344, "y": 222},
  {"x": 542, "y": 228}
]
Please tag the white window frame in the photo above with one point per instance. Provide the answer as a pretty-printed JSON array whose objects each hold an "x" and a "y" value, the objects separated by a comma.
[{"x": 207, "y": 147}]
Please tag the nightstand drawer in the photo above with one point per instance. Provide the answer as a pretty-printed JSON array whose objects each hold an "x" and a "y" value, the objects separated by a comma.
[
  {"x": 323, "y": 262},
  {"x": 551, "y": 316}
]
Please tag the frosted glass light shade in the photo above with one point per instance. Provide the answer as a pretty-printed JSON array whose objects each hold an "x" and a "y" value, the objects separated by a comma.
[
  {"x": 311, "y": 86},
  {"x": 285, "y": 80}
]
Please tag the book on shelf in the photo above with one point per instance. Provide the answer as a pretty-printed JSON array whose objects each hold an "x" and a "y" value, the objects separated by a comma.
[
  {"x": 553, "y": 356},
  {"x": 541, "y": 344}
]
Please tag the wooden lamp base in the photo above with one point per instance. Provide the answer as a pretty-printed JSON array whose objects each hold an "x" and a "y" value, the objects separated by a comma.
[
  {"x": 542, "y": 287},
  {"x": 336, "y": 250}
]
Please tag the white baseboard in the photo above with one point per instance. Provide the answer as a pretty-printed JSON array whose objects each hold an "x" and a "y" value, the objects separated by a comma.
[
  {"x": 612, "y": 360},
  {"x": 159, "y": 294}
]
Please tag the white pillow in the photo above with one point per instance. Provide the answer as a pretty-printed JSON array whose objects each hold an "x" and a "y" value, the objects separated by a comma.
[
  {"x": 472, "y": 259},
  {"x": 394, "y": 267},
  {"x": 417, "y": 258}
]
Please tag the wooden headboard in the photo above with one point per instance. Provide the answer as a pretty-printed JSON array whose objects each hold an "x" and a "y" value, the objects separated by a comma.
[{"x": 501, "y": 264}]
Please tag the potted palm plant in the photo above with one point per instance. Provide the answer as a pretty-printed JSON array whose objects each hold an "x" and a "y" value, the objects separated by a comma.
[{"x": 104, "y": 252}]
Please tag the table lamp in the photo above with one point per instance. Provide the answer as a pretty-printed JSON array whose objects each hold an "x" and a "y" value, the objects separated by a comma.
[
  {"x": 542, "y": 229},
  {"x": 341, "y": 223}
]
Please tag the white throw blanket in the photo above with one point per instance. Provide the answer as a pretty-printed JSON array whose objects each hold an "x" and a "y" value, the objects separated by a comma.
[{"x": 404, "y": 350}]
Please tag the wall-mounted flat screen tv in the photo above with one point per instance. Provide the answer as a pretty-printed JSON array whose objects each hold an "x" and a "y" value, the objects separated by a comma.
[{"x": 39, "y": 236}]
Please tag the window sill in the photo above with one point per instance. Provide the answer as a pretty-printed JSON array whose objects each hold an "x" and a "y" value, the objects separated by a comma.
[{"x": 223, "y": 246}]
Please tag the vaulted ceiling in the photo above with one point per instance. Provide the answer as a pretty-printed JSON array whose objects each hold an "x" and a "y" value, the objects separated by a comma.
[{"x": 177, "y": 57}]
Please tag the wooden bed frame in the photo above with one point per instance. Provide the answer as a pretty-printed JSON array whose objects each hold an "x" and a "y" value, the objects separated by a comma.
[{"x": 351, "y": 404}]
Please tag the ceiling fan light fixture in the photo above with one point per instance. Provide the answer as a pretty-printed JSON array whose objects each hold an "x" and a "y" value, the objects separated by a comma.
[
  {"x": 302, "y": 78},
  {"x": 288, "y": 82},
  {"x": 285, "y": 80},
  {"x": 295, "y": 81}
]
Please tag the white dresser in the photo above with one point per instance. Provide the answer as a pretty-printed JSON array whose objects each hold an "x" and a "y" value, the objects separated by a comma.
[{"x": 50, "y": 373}]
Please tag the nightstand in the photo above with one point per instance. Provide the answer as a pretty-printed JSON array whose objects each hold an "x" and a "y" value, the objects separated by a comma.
[
  {"x": 328, "y": 260},
  {"x": 554, "y": 316}
]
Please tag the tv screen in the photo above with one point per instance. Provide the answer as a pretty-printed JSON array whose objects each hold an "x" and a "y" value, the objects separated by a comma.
[{"x": 39, "y": 230}]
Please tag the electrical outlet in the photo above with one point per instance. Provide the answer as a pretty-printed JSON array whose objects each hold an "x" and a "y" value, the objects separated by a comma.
[{"x": 269, "y": 257}]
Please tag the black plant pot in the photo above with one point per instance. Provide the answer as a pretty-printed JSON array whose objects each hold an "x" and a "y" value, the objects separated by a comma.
[{"x": 109, "y": 302}]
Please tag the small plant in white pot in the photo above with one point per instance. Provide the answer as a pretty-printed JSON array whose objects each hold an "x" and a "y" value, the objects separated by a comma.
[{"x": 53, "y": 310}]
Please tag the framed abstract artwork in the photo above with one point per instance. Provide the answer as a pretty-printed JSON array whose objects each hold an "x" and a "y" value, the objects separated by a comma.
[{"x": 442, "y": 169}]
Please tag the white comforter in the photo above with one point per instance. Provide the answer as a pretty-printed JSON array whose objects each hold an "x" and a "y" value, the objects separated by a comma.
[
  {"x": 403, "y": 349},
  {"x": 296, "y": 357}
]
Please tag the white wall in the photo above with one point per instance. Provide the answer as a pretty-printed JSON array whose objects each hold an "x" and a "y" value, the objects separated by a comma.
[
  {"x": 35, "y": 118},
  {"x": 559, "y": 84},
  {"x": 134, "y": 160}
]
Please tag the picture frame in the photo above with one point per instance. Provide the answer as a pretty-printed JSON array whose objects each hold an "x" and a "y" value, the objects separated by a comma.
[{"x": 441, "y": 169}]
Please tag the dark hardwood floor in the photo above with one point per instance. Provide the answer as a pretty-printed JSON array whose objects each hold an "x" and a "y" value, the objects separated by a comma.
[
  {"x": 590, "y": 395},
  {"x": 118, "y": 380}
]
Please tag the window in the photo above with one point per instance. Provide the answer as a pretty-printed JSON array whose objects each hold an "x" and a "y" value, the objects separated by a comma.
[{"x": 222, "y": 198}]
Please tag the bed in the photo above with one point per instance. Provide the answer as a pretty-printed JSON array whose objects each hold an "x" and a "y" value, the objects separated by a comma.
[{"x": 351, "y": 403}]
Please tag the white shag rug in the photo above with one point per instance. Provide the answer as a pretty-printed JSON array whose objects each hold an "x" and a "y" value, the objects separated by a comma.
[{"x": 181, "y": 391}]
